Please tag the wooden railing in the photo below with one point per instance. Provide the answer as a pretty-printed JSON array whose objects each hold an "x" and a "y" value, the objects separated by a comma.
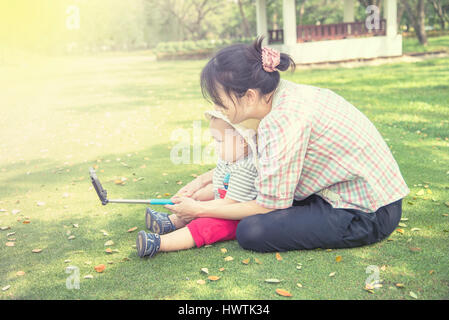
[
  {"x": 276, "y": 36},
  {"x": 334, "y": 31}
]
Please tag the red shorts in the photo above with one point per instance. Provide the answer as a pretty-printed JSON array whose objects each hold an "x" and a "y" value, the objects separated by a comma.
[{"x": 210, "y": 230}]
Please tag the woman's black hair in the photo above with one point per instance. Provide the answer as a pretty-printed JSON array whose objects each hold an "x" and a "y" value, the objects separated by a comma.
[{"x": 237, "y": 68}]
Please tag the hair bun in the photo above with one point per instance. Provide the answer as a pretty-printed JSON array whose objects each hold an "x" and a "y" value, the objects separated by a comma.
[{"x": 285, "y": 62}]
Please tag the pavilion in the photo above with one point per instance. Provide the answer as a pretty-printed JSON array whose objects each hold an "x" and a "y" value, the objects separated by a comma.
[{"x": 349, "y": 40}]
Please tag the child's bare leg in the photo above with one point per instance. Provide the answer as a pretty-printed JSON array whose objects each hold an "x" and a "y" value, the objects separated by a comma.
[{"x": 180, "y": 239}]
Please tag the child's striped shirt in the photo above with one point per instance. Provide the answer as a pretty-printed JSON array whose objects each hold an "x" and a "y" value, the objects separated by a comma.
[{"x": 242, "y": 175}]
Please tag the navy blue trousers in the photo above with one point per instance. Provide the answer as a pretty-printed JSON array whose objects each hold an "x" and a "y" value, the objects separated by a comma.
[{"x": 313, "y": 223}]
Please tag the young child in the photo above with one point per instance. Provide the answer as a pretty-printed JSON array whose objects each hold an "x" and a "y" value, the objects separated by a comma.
[{"x": 233, "y": 181}]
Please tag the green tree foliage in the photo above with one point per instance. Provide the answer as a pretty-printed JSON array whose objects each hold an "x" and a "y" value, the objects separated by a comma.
[
  {"x": 319, "y": 11},
  {"x": 52, "y": 26}
]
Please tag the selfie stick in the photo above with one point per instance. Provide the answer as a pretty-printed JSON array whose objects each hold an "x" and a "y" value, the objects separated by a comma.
[{"x": 103, "y": 195}]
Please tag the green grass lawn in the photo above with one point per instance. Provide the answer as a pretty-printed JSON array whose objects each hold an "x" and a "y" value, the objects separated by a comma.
[
  {"x": 411, "y": 44},
  {"x": 118, "y": 113}
]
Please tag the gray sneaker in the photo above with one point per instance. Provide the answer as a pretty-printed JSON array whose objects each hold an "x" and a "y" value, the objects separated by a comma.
[
  {"x": 147, "y": 244},
  {"x": 158, "y": 222}
]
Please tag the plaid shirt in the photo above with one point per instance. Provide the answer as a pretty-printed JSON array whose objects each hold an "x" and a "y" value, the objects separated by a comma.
[{"x": 315, "y": 142}]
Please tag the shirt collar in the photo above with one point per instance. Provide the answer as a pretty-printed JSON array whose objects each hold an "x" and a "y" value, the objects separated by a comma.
[{"x": 278, "y": 92}]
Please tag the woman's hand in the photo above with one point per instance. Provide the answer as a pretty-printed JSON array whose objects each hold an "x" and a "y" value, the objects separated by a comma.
[{"x": 184, "y": 207}]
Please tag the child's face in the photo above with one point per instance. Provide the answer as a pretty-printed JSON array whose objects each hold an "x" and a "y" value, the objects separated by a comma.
[{"x": 230, "y": 146}]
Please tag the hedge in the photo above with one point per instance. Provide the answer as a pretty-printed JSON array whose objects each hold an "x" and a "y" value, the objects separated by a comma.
[{"x": 174, "y": 50}]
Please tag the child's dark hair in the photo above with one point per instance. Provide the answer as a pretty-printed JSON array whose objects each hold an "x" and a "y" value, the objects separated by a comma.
[{"x": 238, "y": 68}]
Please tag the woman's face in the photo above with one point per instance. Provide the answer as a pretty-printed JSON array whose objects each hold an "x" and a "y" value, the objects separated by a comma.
[{"x": 236, "y": 109}]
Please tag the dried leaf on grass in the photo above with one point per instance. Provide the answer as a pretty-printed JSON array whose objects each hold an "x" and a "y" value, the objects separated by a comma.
[
  {"x": 272, "y": 280},
  {"x": 283, "y": 293},
  {"x": 100, "y": 268},
  {"x": 368, "y": 287},
  {"x": 120, "y": 182}
]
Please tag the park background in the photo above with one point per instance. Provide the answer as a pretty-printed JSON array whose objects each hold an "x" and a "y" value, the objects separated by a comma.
[{"x": 105, "y": 83}]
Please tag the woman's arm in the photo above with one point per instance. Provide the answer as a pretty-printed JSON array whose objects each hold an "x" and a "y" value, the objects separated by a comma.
[
  {"x": 232, "y": 211},
  {"x": 188, "y": 208}
]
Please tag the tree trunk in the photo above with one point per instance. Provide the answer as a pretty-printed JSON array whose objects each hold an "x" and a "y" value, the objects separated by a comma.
[
  {"x": 422, "y": 22},
  {"x": 401, "y": 10},
  {"x": 244, "y": 20},
  {"x": 439, "y": 11},
  {"x": 418, "y": 20},
  {"x": 301, "y": 11}
]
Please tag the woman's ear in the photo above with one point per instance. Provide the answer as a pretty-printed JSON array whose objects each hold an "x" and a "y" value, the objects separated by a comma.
[{"x": 252, "y": 96}]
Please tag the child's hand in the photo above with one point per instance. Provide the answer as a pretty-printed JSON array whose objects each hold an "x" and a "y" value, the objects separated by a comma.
[
  {"x": 184, "y": 207},
  {"x": 189, "y": 189}
]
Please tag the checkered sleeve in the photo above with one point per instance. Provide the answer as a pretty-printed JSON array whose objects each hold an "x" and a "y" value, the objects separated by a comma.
[{"x": 282, "y": 147}]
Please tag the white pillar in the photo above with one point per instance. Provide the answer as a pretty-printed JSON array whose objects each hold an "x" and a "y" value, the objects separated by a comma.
[
  {"x": 289, "y": 15},
  {"x": 348, "y": 13},
  {"x": 261, "y": 18},
  {"x": 390, "y": 14}
]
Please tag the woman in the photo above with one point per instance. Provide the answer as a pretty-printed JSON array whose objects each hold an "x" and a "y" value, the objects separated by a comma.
[{"x": 326, "y": 177}]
